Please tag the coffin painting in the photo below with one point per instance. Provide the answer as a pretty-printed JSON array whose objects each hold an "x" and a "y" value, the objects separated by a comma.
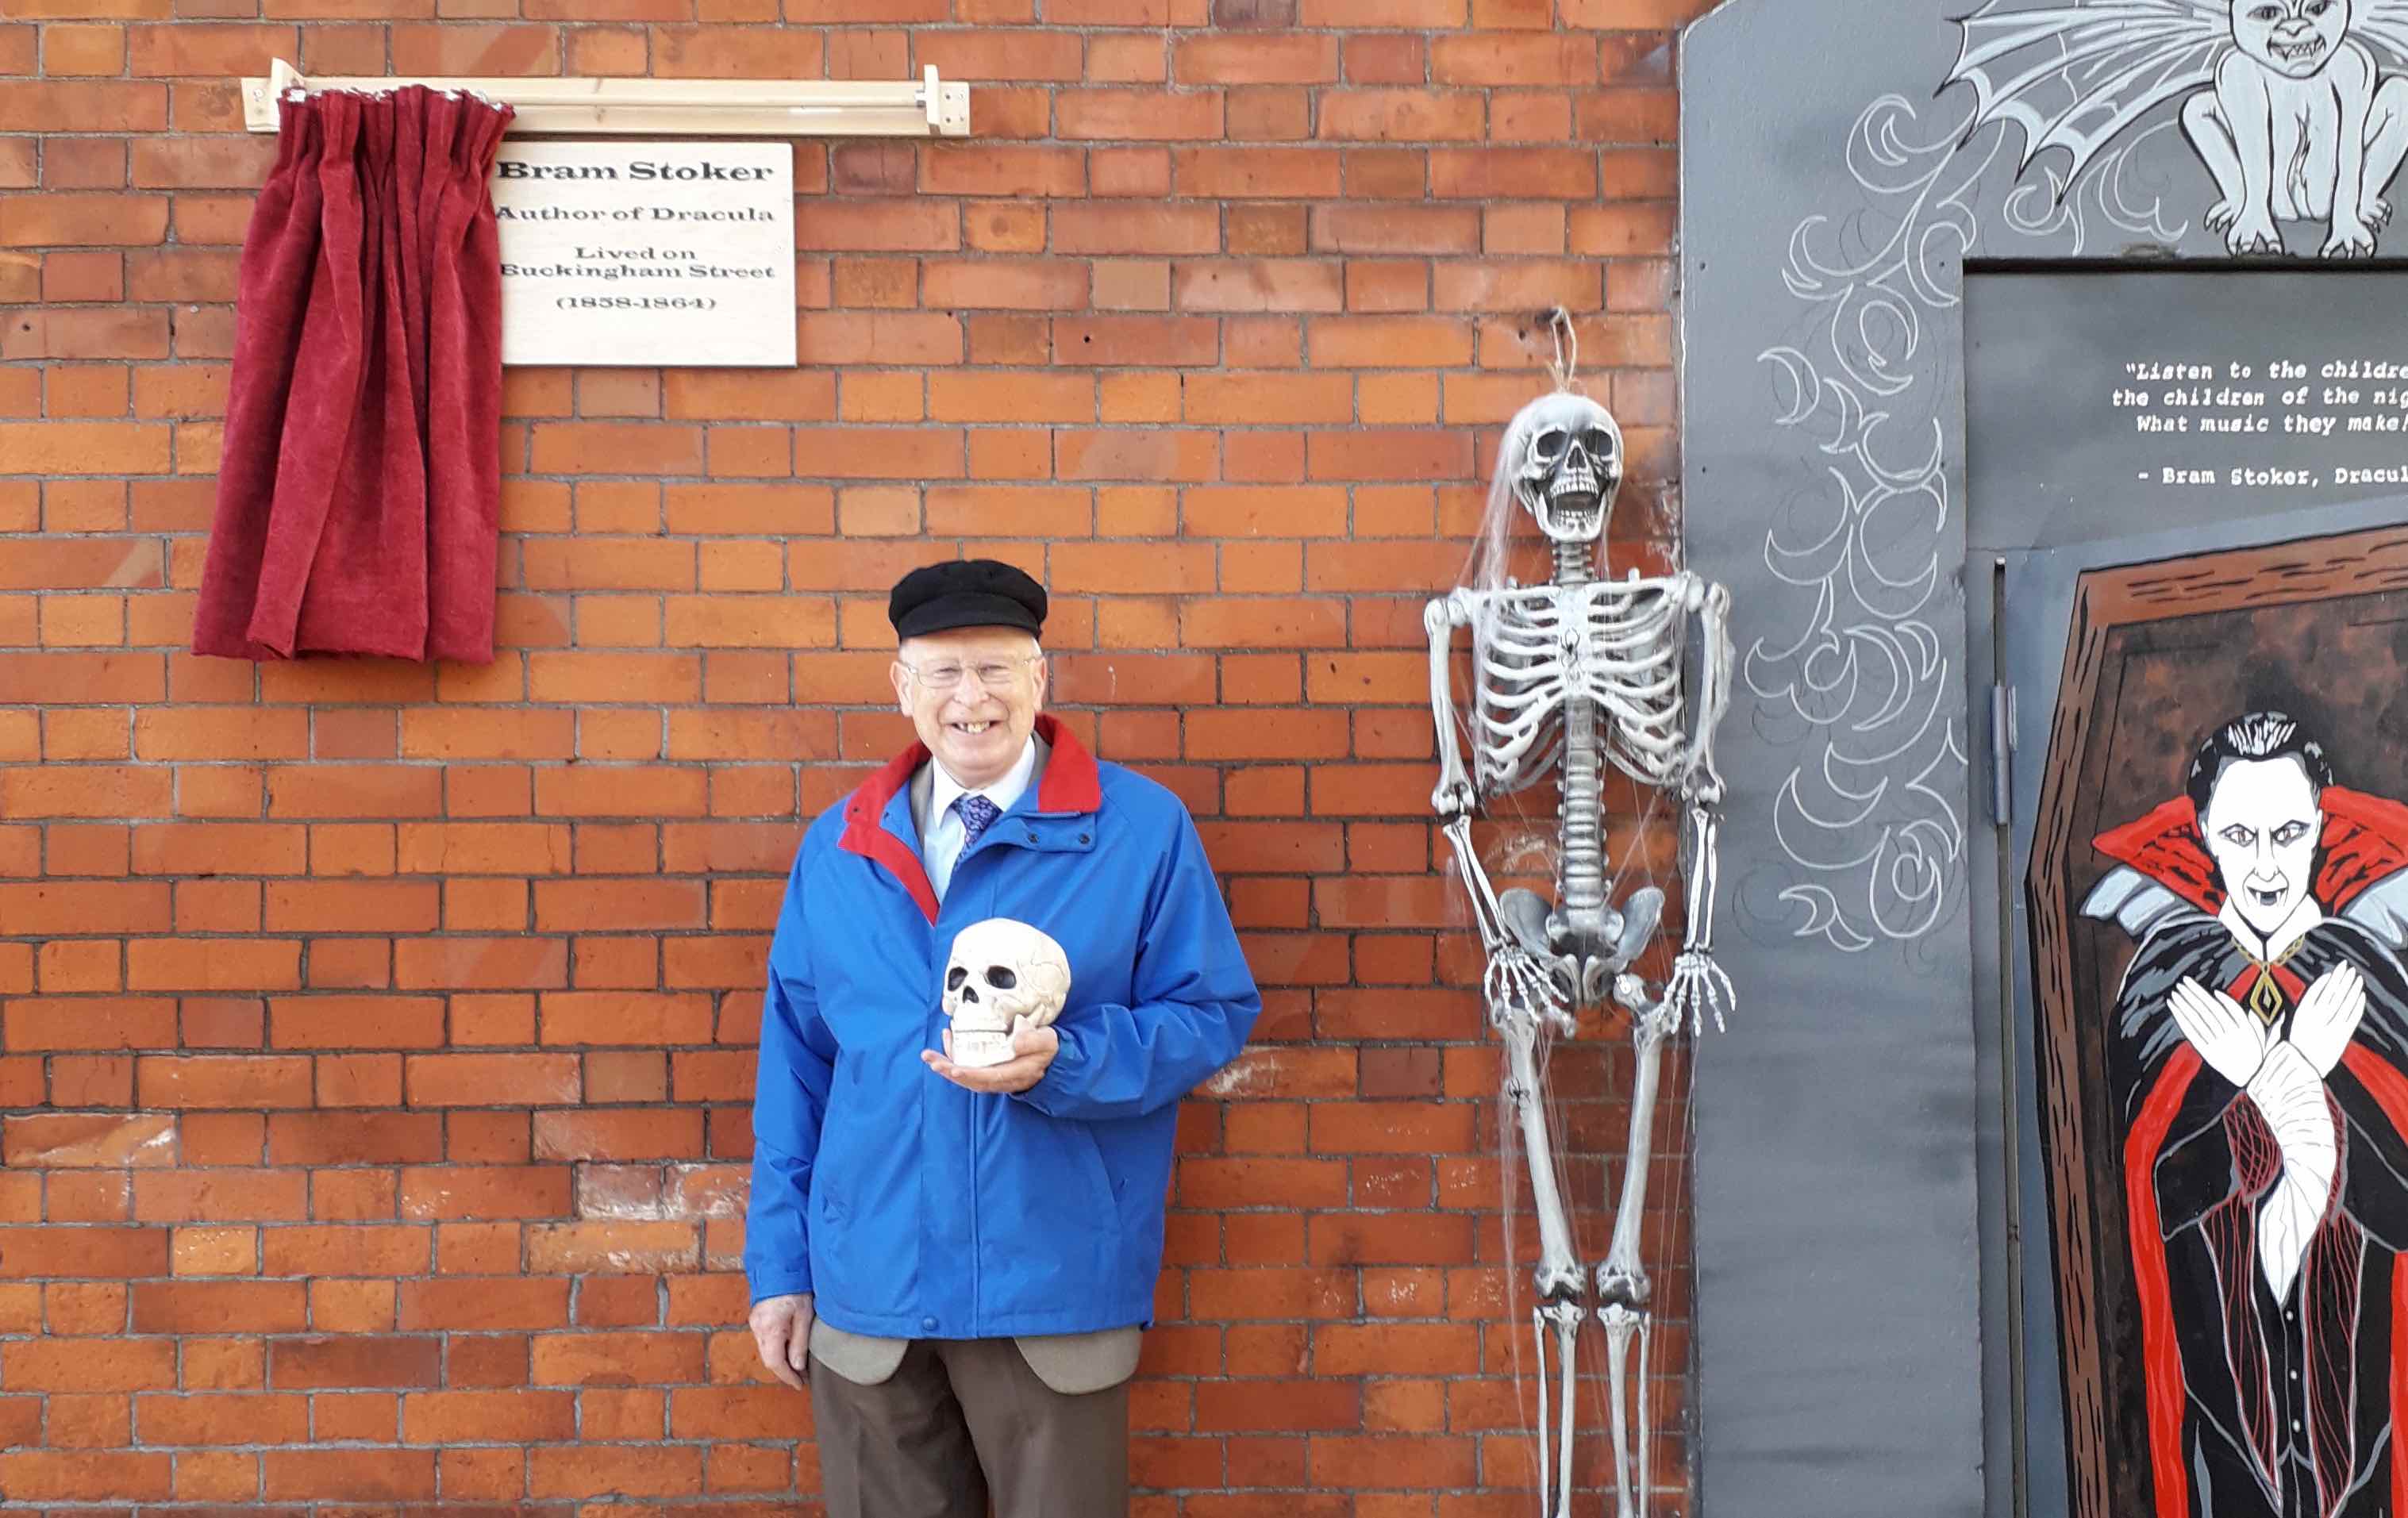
[{"x": 2219, "y": 900}]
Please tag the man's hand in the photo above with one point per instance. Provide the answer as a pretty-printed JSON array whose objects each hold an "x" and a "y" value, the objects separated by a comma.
[
  {"x": 2329, "y": 1016},
  {"x": 1032, "y": 1054},
  {"x": 2227, "y": 1036},
  {"x": 781, "y": 1331}
]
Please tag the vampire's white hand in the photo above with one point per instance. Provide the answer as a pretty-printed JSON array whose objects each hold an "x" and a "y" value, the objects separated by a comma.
[
  {"x": 2227, "y": 1035},
  {"x": 2329, "y": 1016}
]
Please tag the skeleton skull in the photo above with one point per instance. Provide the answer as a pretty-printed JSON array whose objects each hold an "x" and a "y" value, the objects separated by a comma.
[
  {"x": 1001, "y": 969},
  {"x": 1565, "y": 455}
]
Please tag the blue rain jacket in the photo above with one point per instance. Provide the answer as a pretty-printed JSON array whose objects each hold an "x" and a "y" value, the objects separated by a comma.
[{"x": 917, "y": 1209}]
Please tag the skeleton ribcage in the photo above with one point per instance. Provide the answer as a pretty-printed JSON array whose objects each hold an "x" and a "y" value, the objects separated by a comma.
[{"x": 1535, "y": 649}]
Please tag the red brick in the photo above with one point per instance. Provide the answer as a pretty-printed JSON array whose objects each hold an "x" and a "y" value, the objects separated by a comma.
[
  {"x": 89, "y": 1364},
  {"x": 354, "y": 1360},
  {"x": 646, "y": 1248},
  {"x": 485, "y": 1192},
  {"x": 65, "y": 1476},
  {"x": 89, "y": 1023},
  {"x": 353, "y": 1137},
  {"x": 347, "y": 1475},
  {"x": 99, "y": 1140},
  {"x": 489, "y": 1080},
  {"x": 483, "y": 1303},
  {"x": 486, "y": 1417},
  {"x": 220, "y": 1306},
  {"x": 222, "y": 1418},
  {"x": 222, "y": 1081},
  {"x": 618, "y": 1135}
]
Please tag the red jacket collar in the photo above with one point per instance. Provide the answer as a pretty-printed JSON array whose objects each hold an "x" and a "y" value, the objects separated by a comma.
[
  {"x": 2365, "y": 840},
  {"x": 1070, "y": 783}
]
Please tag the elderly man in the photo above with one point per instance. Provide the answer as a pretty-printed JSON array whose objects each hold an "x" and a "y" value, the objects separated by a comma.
[{"x": 960, "y": 1258}]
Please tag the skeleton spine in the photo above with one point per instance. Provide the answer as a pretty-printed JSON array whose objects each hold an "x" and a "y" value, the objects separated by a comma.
[{"x": 1580, "y": 870}]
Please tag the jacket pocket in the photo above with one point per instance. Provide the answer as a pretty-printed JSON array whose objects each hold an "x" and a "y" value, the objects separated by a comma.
[
  {"x": 1049, "y": 1229},
  {"x": 866, "y": 1204}
]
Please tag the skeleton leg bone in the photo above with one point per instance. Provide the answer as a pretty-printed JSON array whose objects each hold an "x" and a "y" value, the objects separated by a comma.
[
  {"x": 1558, "y": 1279},
  {"x": 1622, "y": 1286}
]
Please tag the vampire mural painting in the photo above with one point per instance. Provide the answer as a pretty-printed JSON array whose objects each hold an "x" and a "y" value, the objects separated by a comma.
[{"x": 2259, "y": 1066}]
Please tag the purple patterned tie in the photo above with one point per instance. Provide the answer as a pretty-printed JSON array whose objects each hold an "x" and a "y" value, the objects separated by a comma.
[{"x": 978, "y": 815}]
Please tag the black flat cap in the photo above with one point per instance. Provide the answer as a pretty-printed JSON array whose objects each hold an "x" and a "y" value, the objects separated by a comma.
[{"x": 965, "y": 593}]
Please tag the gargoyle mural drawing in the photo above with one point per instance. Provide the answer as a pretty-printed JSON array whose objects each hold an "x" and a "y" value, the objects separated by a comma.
[{"x": 2286, "y": 102}]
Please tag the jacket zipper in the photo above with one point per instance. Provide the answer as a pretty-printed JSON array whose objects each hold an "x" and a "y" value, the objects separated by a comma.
[{"x": 978, "y": 1313}]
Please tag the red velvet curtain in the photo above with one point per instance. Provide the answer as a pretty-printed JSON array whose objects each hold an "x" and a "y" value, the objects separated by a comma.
[{"x": 360, "y": 478}]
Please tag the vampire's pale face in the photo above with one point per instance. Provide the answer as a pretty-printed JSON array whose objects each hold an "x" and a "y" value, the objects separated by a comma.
[
  {"x": 2262, "y": 825},
  {"x": 2294, "y": 39}
]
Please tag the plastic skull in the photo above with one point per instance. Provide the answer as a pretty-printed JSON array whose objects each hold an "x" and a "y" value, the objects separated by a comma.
[
  {"x": 1001, "y": 969},
  {"x": 1565, "y": 453}
]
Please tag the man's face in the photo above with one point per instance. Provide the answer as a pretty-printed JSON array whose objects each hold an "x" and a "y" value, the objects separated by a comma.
[
  {"x": 2262, "y": 825},
  {"x": 973, "y": 693}
]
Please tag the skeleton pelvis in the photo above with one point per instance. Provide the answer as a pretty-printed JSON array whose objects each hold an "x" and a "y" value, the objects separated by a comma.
[{"x": 1587, "y": 949}]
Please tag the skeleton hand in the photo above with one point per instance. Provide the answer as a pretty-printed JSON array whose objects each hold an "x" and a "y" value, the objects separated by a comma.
[
  {"x": 2351, "y": 237},
  {"x": 2329, "y": 1016},
  {"x": 1518, "y": 984},
  {"x": 1697, "y": 983},
  {"x": 2229, "y": 1039}
]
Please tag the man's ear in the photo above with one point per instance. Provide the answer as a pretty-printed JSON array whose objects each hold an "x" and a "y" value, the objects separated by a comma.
[
  {"x": 902, "y": 676},
  {"x": 1044, "y": 677}
]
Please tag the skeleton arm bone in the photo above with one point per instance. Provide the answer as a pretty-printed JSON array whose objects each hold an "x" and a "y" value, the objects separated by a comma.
[
  {"x": 1698, "y": 984},
  {"x": 1440, "y": 617}
]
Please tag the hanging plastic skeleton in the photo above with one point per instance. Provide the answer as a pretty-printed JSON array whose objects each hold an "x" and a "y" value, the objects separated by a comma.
[{"x": 1571, "y": 676}]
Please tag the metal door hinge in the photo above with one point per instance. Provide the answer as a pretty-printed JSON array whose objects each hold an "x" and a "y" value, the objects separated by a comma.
[{"x": 2003, "y": 751}]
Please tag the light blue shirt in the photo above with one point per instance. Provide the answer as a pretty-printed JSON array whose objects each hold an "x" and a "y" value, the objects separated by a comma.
[{"x": 943, "y": 836}]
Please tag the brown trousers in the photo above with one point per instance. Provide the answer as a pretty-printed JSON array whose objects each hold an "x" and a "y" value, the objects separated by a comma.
[{"x": 963, "y": 1420}]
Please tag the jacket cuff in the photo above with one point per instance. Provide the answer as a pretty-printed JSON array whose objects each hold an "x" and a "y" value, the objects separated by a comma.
[
  {"x": 784, "y": 1284},
  {"x": 1059, "y": 1085}
]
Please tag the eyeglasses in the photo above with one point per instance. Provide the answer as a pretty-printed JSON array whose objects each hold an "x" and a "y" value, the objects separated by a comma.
[{"x": 991, "y": 674}]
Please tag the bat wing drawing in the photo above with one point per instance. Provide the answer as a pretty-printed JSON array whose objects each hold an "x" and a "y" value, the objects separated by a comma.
[{"x": 2075, "y": 76}]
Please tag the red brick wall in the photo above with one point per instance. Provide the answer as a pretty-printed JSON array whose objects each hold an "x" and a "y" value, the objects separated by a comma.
[{"x": 375, "y": 1040}]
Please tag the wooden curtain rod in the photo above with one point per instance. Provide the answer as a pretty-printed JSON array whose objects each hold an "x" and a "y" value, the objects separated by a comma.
[{"x": 928, "y": 107}]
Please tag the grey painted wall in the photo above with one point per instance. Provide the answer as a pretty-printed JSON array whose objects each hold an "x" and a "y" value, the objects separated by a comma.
[
  {"x": 1838, "y": 1332},
  {"x": 1850, "y": 1148}
]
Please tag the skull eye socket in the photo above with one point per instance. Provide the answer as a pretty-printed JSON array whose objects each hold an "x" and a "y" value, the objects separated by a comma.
[
  {"x": 1549, "y": 444},
  {"x": 1599, "y": 445},
  {"x": 954, "y": 977},
  {"x": 1001, "y": 977}
]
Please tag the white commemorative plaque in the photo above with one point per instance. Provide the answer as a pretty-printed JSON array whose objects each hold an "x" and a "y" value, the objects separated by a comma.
[{"x": 647, "y": 253}]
